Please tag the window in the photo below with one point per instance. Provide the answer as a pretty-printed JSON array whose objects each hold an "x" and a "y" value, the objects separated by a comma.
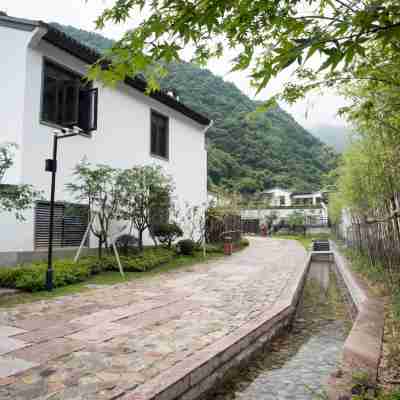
[
  {"x": 282, "y": 200},
  {"x": 159, "y": 135},
  {"x": 70, "y": 224},
  {"x": 66, "y": 100}
]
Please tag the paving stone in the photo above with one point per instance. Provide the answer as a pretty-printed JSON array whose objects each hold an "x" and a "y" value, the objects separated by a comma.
[
  {"x": 101, "y": 332},
  {"x": 37, "y": 323},
  {"x": 52, "y": 332},
  {"x": 8, "y": 345},
  {"x": 43, "y": 352},
  {"x": 6, "y": 330},
  {"x": 157, "y": 316},
  {"x": 95, "y": 286},
  {"x": 11, "y": 366}
]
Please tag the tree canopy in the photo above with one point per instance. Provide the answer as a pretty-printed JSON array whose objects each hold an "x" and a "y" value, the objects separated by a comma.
[
  {"x": 267, "y": 35},
  {"x": 14, "y": 198}
]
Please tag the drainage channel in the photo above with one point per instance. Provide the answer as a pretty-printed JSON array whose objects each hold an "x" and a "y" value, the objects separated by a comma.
[{"x": 297, "y": 364}]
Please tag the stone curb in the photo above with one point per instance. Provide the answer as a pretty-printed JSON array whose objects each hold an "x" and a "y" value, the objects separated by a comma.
[
  {"x": 363, "y": 346},
  {"x": 196, "y": 375}
]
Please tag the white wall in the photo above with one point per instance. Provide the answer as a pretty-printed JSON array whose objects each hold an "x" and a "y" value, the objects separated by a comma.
[
  {"x": 276, "y": 194},
  {"x": 13, "y": 47},
  {"x": 122, "y": 139},
  {"x": 282, "y": 213}
]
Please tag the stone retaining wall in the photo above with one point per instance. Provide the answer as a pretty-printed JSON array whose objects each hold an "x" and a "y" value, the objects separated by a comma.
[
  {"x": 362, "y": 349},
  {"x": 198, "y": 374}
]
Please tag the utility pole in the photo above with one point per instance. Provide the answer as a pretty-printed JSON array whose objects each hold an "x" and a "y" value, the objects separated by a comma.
[{"x": 51, "y": 166}]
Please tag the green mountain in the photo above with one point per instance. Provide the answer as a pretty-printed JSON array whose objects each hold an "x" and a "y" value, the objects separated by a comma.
[{"x": 246, "y": 151}]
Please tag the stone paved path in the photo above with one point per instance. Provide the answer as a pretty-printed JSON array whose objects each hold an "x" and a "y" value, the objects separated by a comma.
[{"x": 101, "y": 343}]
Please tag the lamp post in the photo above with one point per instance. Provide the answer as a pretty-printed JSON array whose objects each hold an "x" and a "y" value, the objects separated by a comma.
[{"x": 51, "y": 166}]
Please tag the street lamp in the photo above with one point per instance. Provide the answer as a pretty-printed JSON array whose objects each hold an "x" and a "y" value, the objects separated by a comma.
[{"x": 51, "y": 166}]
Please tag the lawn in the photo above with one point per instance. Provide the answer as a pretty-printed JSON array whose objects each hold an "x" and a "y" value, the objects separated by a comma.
[
  {"x": 306, "y": 241},
  {"x": 108, "y": 278}
]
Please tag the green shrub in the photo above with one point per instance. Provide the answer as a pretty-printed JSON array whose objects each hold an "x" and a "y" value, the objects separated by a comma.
[
  {"x": 32, "y": 277},
  {"x": 214, "y": 248},
  {"x": 186, "y": 247},
  {"x": 244, "y": 242},
  {"x": 8, "y": 277},
  {"x": 167, "y": 233}
]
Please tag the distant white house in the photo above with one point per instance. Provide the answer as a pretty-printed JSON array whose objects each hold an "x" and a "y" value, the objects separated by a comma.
[
  {"x": 42, "y": 89},
  {"x": 279, "y": 197},
  {"x": 281, "y": 203}
]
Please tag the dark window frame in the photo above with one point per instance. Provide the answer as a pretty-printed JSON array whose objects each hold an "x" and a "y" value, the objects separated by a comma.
[
  {"x": 167, "y": 135},
  {"x": 66, "y": 70}
]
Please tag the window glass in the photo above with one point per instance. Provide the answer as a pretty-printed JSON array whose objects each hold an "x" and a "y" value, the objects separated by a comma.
[
  {"x": 159, "y": 135},
  {"x": 60, "y": 95}
]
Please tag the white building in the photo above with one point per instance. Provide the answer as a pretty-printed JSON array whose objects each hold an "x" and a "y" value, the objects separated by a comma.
[
  {"x": 41, "y": 89},
  {"x": 278, "y": 197},
  {"x": 281, "y": 203}
]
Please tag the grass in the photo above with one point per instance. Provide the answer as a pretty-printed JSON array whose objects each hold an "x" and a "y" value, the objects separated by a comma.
[
  {"x": 306, "y": 241},
  {"x": 107, "y": 278},
  {"x": 384, "y": 285}
]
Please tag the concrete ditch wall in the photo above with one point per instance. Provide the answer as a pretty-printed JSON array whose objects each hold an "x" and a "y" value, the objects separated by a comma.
[{"x": 363, "y": 347}]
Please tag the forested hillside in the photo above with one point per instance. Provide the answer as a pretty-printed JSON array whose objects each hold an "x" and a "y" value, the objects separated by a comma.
[{"x": 245, "y": 153}]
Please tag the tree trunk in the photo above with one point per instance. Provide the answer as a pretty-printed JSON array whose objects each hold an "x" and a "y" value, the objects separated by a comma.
[
  {"x": 100, "y": 248},
  {"x": 140, "y": 240}
]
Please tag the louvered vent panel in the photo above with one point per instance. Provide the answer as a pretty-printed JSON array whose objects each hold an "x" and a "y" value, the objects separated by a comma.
[{"x": 70, "y": 224}]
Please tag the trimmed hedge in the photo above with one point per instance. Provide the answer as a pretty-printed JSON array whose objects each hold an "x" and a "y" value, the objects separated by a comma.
[
  {"x": 32, "y": 277},
  {"x": 244, "y": 242},
  {"x": 186, "y": 247}
]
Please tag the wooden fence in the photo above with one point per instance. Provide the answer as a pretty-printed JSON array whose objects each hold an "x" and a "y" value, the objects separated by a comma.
[
  {"x": 251, "y": 226},
  {"x": 376, "y": 235},
  {"x": 219, "y": 227}
]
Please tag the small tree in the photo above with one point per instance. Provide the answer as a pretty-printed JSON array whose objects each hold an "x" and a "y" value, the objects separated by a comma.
[
  {"x": 297, "y": 220},
  {"x": 14, "y": 198},
  {"x": 271, "y": 218},
  {"x": 99, "y": 186},
  {"x": 145, "y": 192},
  {"x": 193, "y": 221},
  {"x": 168, "y": 233}
]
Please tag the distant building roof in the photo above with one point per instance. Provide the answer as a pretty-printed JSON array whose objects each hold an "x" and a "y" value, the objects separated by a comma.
[
  {"x": 275, "y": 189},
  {"x": 305, "y": 193},
  {"x": 65, "y": 42}
]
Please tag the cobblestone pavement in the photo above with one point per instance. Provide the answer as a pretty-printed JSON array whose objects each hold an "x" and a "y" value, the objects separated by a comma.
[{"x": 101, "y": 343}]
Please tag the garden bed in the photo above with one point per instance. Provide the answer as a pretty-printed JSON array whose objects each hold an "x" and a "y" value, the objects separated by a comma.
[{"x": 70, "y": 277}]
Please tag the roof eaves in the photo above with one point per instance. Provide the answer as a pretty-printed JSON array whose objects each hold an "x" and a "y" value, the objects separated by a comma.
[
  {"x": 18, "y": 23},
  {"x": 60, "y": 39}
]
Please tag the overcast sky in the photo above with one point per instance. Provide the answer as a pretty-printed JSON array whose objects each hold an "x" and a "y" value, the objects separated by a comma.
[{"x": 319, "y": 110}]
